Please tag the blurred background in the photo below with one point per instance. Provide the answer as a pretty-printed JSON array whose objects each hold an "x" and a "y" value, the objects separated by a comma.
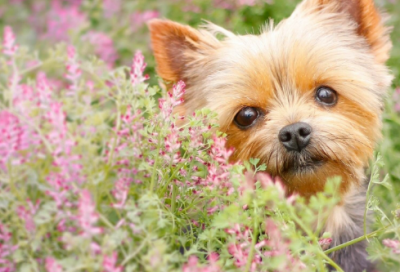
[{"x": 112, "y": 30}]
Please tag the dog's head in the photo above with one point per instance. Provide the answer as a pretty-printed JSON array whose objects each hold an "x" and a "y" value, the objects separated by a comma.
[{"x": 304, "y": 96}]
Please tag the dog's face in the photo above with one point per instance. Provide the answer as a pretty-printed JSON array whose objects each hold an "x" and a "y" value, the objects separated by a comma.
[{"x": 305, "y": 96}]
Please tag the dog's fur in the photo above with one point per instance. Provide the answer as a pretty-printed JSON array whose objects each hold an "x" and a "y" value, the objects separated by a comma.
[{"x": 342, "y": 44}]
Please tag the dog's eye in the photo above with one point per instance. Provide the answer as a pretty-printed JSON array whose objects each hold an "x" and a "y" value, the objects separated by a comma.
[
  {"x": 326, "y": 96},
  {"x": 246, "y": 117}
]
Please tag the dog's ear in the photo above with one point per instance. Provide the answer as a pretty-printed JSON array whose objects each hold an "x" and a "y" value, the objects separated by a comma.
[
  {"x": 370, "y": 23},
  {"x": 176, "y": 47}
]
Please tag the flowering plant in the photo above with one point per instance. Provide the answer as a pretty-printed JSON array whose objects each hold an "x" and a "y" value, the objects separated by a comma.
[{"x": 98, "y": 173}]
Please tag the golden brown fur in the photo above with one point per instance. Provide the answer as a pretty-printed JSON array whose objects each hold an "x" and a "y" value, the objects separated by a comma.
[{"x": 342, "y": 44}]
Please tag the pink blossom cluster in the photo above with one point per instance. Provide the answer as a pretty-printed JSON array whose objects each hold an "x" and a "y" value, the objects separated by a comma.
[
  {"x": 233, "y": 4},
  {"x": 103, "y": 47},
  {"x": 27, "y": 215},
  {"x": 274, "y": 246},
  {"x": 6, "y": 249},
  {"x": 392, "y": 244},
  {"x": 9, "y": 46},
  {"x": 396, "y": 99},
  {"x": 87, "y": 215},
  {"x": 63, "y": 16},
  {"x": 131, "y": 123},
  {"x": 137, "y": 69},
  {"x": 111, "y": 7},
  {"x": 218, "y": 173},
  {"x": 52, "y": 265},
  {"x": 139, "y": 18},
  {"x": 193, "y": 264},
  {"x": 15, "y": 138},
  {"x": 110, "y": 263},
  {"x": 240, "y": 249},
  {"x": 19, "y": 142},
  {"x": 129, "y": 132},
  {"x": 73, "y": 70}
]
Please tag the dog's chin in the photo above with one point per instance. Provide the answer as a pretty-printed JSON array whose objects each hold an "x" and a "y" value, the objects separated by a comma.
[{"x": 298, "y": 165}]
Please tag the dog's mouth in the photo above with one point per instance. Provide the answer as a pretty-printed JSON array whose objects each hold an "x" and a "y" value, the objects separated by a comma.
[{"x": 298, "y": 164}]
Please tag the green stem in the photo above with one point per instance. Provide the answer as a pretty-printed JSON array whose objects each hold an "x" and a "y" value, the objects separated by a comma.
[
  {"x": 356, "y": 240},
  {"x": 173, "y": 200},
  {"x": 14, "y": 82},
  {"x": 367, "y": 200},
  {"x": 253, "y": 243},
  {"x": 310, "y": 234},
  {"x": 128, "y": 258},
  {"x": 154, "y": 174},
  {"x": 330, "y": 261},
  {"x": 117, "y": 128}
]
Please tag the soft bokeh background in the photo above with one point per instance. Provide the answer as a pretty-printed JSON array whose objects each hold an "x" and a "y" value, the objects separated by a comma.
[{"x": 115, "y": 29}]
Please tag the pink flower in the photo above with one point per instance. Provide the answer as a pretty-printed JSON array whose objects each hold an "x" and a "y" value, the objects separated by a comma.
[
  {"x": 44, "y": 90},
  {"x": 63, "y": 18},
  {"x": 103, "y": 46},
  {"x": 396, "y": 99},
  {"x": 139, "y": 18},
  {"x": 393, "y": 244},
  {"x": 193, "y": 264},
  {"x": 109, "y": 263},
  {"x": 325, "y": 243},
  {"x": 137, "y": 69},
  {"x": 111, "y": 7},
  {"x": 9, "y": 46},
  {"x": 14, "y": 137},
  {"x": 6, "y": 249},
  {"x": 174, "y": 98},
  {"x": 87, "y": 215},
  {"x": 52, "y": 265},
  {"x": 27, "y": 215},
  {"x": 73, "y": 70}
]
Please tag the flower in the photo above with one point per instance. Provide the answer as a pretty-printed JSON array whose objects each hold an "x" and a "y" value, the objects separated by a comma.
[
  {"x": 193, "y": 264},
  {"x": 73, "y": 70},
  {"x": 9, "y": 46},
  {"x": 87, "y": 215},
  {"x": 62, "y": 18},
  {"x": 137, "y": 69},
  {"x": 15, "y": 137},
  {"x": 103, "y": 46},
  {"x": 393, "y": 244},
  {"x": 111, "y": 7},
  {"x": 52, "y": 265},
  {"x": 109, "y": 263},
  {"x": 6, "y": 249},
  {"x": 139, "y": 18}
]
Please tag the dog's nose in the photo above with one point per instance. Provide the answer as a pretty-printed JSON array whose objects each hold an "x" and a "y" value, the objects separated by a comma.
[{"x": 295, "y": 137}]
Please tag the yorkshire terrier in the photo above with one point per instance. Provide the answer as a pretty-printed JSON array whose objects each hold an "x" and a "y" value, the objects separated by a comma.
[{"x": 304, "y": 96}]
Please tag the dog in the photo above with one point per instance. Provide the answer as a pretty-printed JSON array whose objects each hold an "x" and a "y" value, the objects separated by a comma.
[{"x": 304, "y": 96}]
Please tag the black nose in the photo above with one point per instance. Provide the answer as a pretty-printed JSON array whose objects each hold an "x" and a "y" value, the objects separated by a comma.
[{"x": 295, "y": 137}]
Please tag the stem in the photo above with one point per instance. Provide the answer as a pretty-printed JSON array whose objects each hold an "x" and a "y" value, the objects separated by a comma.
[
  {"x": 105, "y": 220},
  {"x": 14, "y": 82},
  {"x": 356, "y": 240},
  {"x": 154, "y": 174},
  {"x": 117, "y": 128},
  {"x": 330, "y": 261},
  {"x": 128, "y": 258},
  {"x": 310, "y": 234},
  {"x": 173, "y": 200},
  {"x": 253, "y": 243},
  {"x": 367, "y": 200}
]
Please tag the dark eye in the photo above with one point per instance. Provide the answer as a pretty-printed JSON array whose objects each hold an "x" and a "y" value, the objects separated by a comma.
[
  {"x": 326, "y": 96},
  {"x": 246, "y": 117}
]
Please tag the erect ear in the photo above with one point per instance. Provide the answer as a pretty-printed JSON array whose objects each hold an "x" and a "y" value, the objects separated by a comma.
[
  {"x": 369, "y": 19},
  {"x": 176, "y": 47}
]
